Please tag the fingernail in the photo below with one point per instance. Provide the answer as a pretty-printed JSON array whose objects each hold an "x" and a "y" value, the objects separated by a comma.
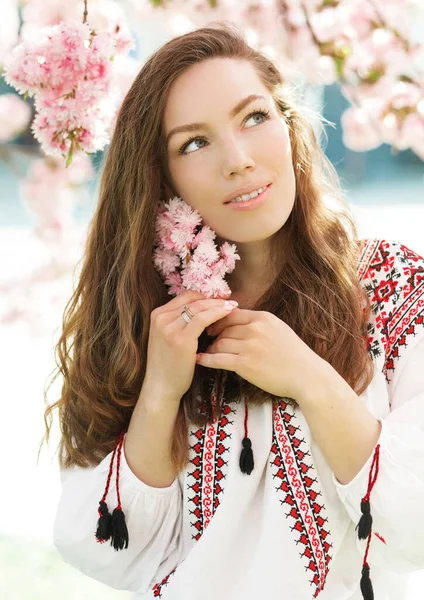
[{"x": 230, "y": 304}]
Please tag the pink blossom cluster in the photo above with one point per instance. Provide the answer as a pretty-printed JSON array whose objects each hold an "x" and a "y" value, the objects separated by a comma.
[
  {"x": 68, "y": 71},
  {"x": 391, "y": 112},
  {"x": 379, "y": 64},
  {"x": 373, "y": 47},
  {"x": 15, "y": 115},
  {"x": 50, "y": 192},
  {"x": 185, "y": 253},
  {"x": 103, "y": 15}
]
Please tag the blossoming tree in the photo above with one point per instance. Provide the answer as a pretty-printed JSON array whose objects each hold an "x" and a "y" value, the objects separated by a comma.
[{"x": 72, "y": 63}]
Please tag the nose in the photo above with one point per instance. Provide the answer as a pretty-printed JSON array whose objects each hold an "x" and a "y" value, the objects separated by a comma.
[{"x": 235, "y": 159}]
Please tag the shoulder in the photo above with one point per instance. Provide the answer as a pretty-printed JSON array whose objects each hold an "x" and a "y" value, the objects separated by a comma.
[
  {"x": 392, "y": 274},
  {"x": 390, "y": 260}
]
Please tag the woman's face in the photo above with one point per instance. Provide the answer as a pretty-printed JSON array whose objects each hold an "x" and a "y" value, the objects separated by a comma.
[{"x": 230, "y": 150}]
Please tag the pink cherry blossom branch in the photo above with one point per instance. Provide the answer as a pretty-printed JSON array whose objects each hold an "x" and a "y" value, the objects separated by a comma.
[
  {"x": 186, "y": 255},
  {"x": 348, "y": 87},
  {"x": 385, "y": 25},
  {"x": 84, "y": 20},
  {"x": 69, "y": 72}
]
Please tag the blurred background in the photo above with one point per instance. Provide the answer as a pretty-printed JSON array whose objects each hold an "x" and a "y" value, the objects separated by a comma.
[{"x": 44, "y": 213}]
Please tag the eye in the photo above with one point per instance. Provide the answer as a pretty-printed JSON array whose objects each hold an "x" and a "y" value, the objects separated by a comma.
[
  {"x": 182, "y": 150},
  {"x": 264, "y": 114}
]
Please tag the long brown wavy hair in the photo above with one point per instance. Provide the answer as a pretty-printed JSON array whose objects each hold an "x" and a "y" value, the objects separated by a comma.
[{"x": 102, "y": 349}]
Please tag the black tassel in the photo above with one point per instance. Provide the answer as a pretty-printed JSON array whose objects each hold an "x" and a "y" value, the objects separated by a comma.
[
  {"x": 119, "y": 534},
  {"x": 246, "y": 457},
  {"x": 365, "y": 522},
  {"x": 104, "y": 524},
  {"x": 366, "y": 585}
]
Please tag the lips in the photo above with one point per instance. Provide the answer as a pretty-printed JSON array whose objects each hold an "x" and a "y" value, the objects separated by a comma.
[
  {"x": 252, "y": 203},
  {"x": 246, "y": 190}
]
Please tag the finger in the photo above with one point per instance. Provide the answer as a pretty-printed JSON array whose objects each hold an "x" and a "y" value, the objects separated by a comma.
[
  {"x": 187, "y": 297},
  {"x": 231, "y": 332},
  {"x": 218, "y": 361},
  {"x": 179, "y": 301},
  {"x": 204, "y": 313},
  {"x": 225, "y": 346},
  {"x": 238, "y": 318}
]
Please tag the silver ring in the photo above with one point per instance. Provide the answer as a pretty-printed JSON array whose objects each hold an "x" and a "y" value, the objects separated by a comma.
[{"x": 186, "y": 314}]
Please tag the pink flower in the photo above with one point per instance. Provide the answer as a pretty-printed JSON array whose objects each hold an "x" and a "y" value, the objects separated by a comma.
[
  {"x": 329, "y": 23},
  {"x": 405, "y": 95},
  {"x": 186, "y": 257},
  {"x": 15, "y": 115},
  {"x": 412, "y": 134},
  {"x": 358, "y": 130},
  {"x": 68, "y": 70},
  {"x": 166, "y": 261},
  {"x": 50, "y": 191},
  {"x": 103, "y": 16},
  {"x": 361, "y": 15}
]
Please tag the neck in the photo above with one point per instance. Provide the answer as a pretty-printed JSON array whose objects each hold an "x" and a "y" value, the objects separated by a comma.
[{"x": 252, "y": 274}]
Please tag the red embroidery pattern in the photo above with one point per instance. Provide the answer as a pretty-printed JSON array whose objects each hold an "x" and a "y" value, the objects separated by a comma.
[
  {"x": 393, "y": 277},
  {"x": 207, "y": 469},
  {"x": 208, "y": 476},
  {"x": 290, "y": 465},
  {"x": 365, "y": 252},
  {"x": 222, "y": 448},
  {"x": 208, "y": 453},
  {"x": 380, "y": 537},
  {"x": 157, "y": 588},
  {"x": 196, "y": 474}
]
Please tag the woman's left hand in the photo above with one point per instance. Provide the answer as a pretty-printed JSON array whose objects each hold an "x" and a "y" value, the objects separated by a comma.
[{"x": 265, "y": 351}]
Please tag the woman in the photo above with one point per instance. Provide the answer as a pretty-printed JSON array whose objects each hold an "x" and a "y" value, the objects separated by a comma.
[{"x": 269, "y": 450}]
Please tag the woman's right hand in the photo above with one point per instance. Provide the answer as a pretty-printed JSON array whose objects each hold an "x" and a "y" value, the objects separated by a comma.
[{"x": 173, "y": 343}]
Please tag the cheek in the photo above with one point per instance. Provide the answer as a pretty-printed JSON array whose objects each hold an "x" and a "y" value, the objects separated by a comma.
[
  {"x": 191, "y": 178},
  {"x": 278, "y": 147},
  {"x": 193, "y": 186},
  {"x": 279, "y": 157}
]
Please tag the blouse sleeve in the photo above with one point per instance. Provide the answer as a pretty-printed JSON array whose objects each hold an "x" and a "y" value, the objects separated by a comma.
[
  {"x": 153, "y": 517},
  {"x": 397, "y": 497}
]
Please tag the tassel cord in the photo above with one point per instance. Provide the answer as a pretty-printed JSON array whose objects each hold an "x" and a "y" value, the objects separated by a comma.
[
  {"x": 112, "y": 460},
  {"x": 119, "y": 531},
  {"x": 106, "y": 524},
  {"x": 365, "y": 526},
  {"x": 246, "y": 461},
  {"x": 118, "y": 466}
]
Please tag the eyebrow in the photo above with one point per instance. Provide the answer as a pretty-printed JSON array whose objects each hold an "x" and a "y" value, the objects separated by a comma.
[{"x": 194, "y": 126}]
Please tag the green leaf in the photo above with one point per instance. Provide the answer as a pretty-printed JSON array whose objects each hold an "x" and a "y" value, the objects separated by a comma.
[
  {"x": 373, "y": 76},
  {"x": 71, "y": 152},
  {"x": 339, "y": 60},
  {"x": 26, "y": 95}
]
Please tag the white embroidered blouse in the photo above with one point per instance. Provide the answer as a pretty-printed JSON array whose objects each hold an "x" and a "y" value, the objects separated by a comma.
[{"x": 287, "y": 530}]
